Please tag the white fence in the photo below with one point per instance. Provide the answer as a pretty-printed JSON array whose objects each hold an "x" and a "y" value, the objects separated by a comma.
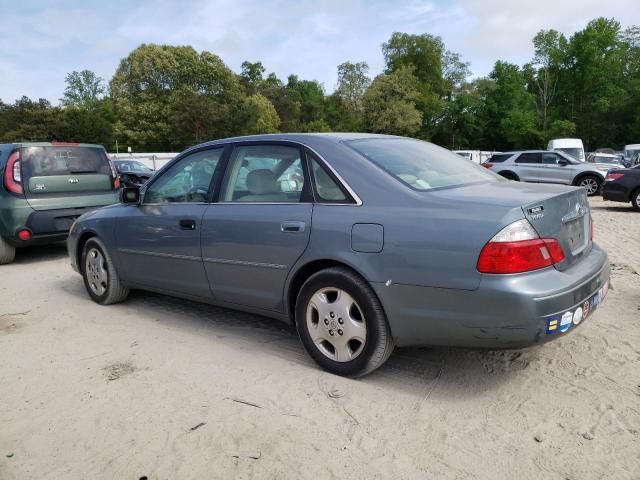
[{"x": 151, "y": 160}]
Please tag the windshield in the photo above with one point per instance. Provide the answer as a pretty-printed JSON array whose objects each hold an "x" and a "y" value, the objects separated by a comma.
[
  {"x": 421, "y": 165},
  {"x": 632, "y": 153},
  {"x": 576, "y": 153}
]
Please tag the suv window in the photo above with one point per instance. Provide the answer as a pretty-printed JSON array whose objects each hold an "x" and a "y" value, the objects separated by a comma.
[
  {"x": 550, "y": 159},
  {"x": 529, "y": 158},
  {"x": 499, "y": 158},
  {"x": 264, "y": 174},
  {"x": 188, "y": 181}
]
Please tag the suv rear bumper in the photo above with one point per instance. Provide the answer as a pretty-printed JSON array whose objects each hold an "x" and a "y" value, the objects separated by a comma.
[{"x": 48, "y": 226}]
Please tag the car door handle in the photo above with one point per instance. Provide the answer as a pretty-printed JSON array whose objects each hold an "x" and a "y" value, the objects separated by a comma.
[
  {"x": 292, "y": 227},
  {"x": 187, "y": 224}
]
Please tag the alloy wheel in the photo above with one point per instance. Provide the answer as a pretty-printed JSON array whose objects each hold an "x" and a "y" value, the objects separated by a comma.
[{"x": 590, "y": 185}]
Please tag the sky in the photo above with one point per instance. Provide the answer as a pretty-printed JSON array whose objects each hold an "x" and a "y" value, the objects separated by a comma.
[{"x": 42, "y": 41}]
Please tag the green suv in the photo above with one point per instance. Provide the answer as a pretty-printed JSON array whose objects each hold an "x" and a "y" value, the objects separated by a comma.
[{"x": 46, "y": 186}]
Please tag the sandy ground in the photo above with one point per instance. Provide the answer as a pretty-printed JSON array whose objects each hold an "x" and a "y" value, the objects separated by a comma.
[{"x": 169, "y": 389}]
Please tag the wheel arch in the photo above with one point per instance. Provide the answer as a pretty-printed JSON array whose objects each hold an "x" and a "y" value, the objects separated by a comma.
[
  {"x": 302, "y": 274},
  {"x": 581, "y": 175},
  {"x": 509, "y": 173}
]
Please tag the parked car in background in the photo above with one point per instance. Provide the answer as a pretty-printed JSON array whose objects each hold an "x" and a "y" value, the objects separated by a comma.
[
  {"x": 605, "y": 160},
  {"x": 631, "y": 153},
  {"x": 46, "y": 186},
  {"x": 542, "y": 166},
  {"x": 476, "y": 156},
  {"x": 623, "y": 185},
  {"x": 571, "y": 146},
  {"x": 133, "y": 173},
  {"x": 384, "y": 241}
]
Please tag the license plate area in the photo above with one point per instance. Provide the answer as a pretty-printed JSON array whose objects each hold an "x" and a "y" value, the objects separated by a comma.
[{"x": 577, "y": 234}]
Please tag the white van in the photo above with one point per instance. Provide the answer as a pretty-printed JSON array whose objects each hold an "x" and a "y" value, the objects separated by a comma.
[
  {"x": 570, "y": 146},
  {"x": 631, "y": 152}
]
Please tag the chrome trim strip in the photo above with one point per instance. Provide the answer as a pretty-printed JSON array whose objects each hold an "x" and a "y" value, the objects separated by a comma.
[
  {"x": 158, "y": 254},
  {"x": 245, "y": 264}
]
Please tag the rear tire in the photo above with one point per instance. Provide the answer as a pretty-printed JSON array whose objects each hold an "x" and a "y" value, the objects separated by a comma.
[
  {"x": 7, "y": 252},
  {"x": 100, "y": 276},
  {"x": 635, "y": 200},
  {"x": 591, "y": 184},
  {"x": 341, "y": 323}
]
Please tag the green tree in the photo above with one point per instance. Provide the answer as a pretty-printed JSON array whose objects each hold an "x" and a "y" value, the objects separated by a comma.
[
  {"x": 258, "y": 115},
  {"x": 150, "y": 86},
  {"x": 84, "y": 89},
  {"x": 389, "y": 103},
  {"x": 27, "y": 120}
]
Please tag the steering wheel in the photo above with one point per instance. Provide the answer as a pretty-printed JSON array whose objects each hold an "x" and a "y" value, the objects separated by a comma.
[{"x": 197, "y": 191}]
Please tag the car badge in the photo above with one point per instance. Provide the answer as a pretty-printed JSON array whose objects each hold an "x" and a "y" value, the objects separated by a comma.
[
  {"x": 74, "y": 180},
  {"x": 536, "y": 212},
  {"x": 40, "y": 186}
]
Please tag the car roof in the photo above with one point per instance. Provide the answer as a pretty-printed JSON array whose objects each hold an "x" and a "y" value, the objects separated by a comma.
[{"x": 53, "y": 144}]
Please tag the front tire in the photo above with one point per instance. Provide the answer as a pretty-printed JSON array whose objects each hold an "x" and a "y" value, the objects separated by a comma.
[
  {"x": 591, "y": 184},
  {"x": 7, "y": 252},
  {"x": 341, "y": 323},
  {"x": 635, "y": 200},
  {"x": 100, "y": 276}
]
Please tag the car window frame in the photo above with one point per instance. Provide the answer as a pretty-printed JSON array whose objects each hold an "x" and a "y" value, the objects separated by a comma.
[
  {"x": 306, "y": 196},
  {"x": 214, "y": 179},
  {"x": 557, "y": 157}
]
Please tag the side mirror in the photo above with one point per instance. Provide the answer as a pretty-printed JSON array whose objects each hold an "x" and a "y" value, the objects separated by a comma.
[
  {"x": 130, "y": 195},
  {"x": 563, "y": 162}
]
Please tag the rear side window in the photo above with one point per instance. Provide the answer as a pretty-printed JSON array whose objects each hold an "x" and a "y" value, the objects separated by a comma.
[
  {"x": 326, "y": 188},
  {"x": 61, "y": 161},
  {"x": 529, "y": 158},
  {"x": 499, "y": 158}
]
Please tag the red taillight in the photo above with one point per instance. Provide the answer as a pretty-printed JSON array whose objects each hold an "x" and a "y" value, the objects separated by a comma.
[
  {"x": 24, "y": 235},
  {"x": 13, "y": 174},
  {"x": 114, "y": 174},
  {"x": 614, "y": 176},
  {"x": 487, "y": 165},
  {"x": 518, "y": 257}
]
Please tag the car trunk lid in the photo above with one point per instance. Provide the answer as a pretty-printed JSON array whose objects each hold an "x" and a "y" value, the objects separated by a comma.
[{"x": 565, "y": 217}]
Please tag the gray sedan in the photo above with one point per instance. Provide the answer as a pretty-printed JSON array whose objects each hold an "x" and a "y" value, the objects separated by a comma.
[
  {"x": 541, "y": 166},
  {"x": 364, "y": 242}
]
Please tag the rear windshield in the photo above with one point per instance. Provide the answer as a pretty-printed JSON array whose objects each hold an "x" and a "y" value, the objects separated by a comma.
[
  {"x": 63, "y": 160},
  {"x": 419, "y": 164},
  {"x": 601, "y": 159},
  {"x": 499, "y": 158}
]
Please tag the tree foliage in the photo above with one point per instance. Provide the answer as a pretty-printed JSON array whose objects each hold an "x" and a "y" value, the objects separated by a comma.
[{"x": 169, "y": 97}]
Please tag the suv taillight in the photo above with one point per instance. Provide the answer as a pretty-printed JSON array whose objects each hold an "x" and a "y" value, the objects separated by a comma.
[
  {"x": 487, "y": 165},
  {"x": 613, "y": 176},
  {"x": 114, "y": 174},
  {"x": 13, "y": 174},
  {"x": 517, "y": 248}
]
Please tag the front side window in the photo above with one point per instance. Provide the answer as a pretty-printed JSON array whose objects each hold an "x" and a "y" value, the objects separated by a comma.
[
  {"x": 549, "y": 159},
  {"x": 421, "y": 165},
  {"x": 188, "y": 181},
  {"x": 264, "y": 174}
]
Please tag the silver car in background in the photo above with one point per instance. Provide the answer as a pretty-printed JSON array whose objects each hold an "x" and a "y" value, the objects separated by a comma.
[{"x": 542, "y": 166}]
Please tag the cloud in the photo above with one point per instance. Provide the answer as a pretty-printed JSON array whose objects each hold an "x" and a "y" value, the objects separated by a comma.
[{"x": 39, "y": 45}]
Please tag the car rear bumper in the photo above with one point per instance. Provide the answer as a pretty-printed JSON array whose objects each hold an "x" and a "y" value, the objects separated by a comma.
[{"x": 506, "y": 311}]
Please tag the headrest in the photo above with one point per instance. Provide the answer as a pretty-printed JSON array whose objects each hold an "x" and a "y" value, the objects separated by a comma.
[{"x": 262, "y": 182}]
